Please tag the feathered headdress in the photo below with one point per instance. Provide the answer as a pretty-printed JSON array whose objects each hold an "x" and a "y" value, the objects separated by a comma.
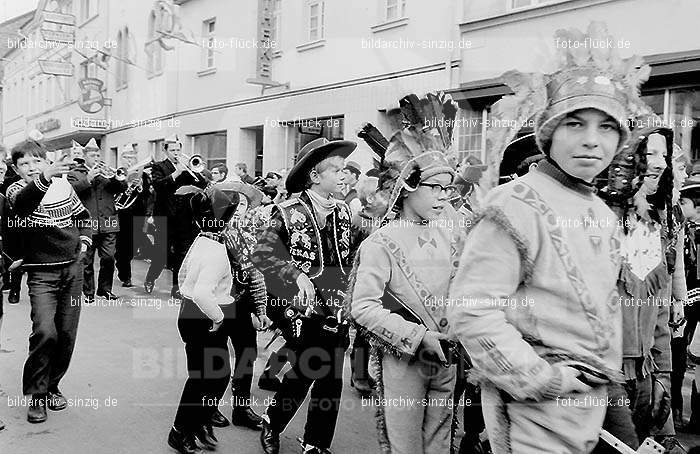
[
  {"x": 590, "y": 74},
  {"x": 416, "y": 152}
]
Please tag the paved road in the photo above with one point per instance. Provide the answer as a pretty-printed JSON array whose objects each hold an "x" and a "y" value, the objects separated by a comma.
[{"x": 125, "y": 380}]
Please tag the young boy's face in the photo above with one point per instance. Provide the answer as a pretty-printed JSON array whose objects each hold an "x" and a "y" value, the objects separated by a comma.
[
  {"x": 328, "y": 176},
  {"x": 3, "y": 171},
  {"x": 584, "y": 143},
  {"x": 30, "y": 167},
  {"x": 428, "y": 200}
]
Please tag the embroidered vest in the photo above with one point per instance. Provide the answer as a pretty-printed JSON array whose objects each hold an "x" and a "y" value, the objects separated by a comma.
[{"x": 305, "y": 236}]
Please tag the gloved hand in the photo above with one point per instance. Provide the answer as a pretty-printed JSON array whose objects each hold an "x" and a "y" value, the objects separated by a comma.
[{"x": 660, "y": 398}]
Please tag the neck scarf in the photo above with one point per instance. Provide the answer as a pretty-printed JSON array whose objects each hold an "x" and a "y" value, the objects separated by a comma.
[{"x": 322, "y": 206}]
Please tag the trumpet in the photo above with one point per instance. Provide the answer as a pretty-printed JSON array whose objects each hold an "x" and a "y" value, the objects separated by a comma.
[{"x": 109, "y": 172}]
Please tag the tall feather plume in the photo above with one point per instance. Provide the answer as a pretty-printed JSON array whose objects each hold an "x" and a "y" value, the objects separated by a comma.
[
  {"x": 600, "y": 55},
  {"x": 443, "y": 114},
  {"x": 509, "y": 114},
  {"x": 411, "y": 110},
  {"x": 376, "y": 141}
]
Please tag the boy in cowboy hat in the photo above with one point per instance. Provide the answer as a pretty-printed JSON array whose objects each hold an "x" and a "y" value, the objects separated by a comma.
[{"x": 304, "y": 255}]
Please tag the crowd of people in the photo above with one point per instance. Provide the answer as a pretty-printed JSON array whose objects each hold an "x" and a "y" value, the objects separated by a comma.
[{"x": 550, "y": 294}]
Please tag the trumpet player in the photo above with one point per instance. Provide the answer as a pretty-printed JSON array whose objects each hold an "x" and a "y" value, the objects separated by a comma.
[
  {"x": 96, "y": 185},
  {"x": 173, "y": 236},
  {"x": 131, "y": 217}
]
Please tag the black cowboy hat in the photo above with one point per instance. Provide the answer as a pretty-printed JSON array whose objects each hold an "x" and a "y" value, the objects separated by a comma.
[
  {"x": 310, "y": 155},
  {"x": 214, "y": 204}
]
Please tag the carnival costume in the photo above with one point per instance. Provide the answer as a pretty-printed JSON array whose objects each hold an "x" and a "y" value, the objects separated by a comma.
[
  {"x": 536, "y": 287},
  {"x": 310, "y": 235},
  {"x": 399, "y": 287},
  {"x": 653, "y": 271},
  {"x": 210, "y": 292}
]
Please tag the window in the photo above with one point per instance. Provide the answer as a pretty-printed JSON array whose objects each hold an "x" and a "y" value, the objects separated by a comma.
[
  {"x": 68, "y": 82},
  {"x": 125, "y": 56},
  {"x": 470, "y": 133},
  {"x": 684, "y": 118},
  {"x": 395, "y": 9},
  {"x": 119, "y": 63},
  {"x": 122, "y": 66},
  {"x": 682, "y": 114},
  {"x": 58, "y": 95},
  {"x": 41, "y": 99},
  {"x": 112, "y": 157},
  {"x": 153, "y": 49},
  {"x": 208, "y": 29},
  {"x": 316, "y": 20},
  {"x": 276, "y": 25},
  {"x": 212, "y": 148},
  {"x": 157, "y": 149},
  {"x": 88, "y": 9}
]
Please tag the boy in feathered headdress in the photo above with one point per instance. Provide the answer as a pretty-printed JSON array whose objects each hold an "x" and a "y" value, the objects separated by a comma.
[
  {"x": 400, "y": 280},
  {"x": 534, "y": 300}
]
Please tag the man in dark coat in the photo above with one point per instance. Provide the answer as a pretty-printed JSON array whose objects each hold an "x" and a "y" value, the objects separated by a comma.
[
  {"x": 167, "y": 177},
  {"x": 131, "y": 218},
  {"x": 97, "y": 192}
]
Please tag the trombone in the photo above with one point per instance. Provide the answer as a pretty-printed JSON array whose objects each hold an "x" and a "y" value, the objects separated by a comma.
[{"x": 194, "y": 164}]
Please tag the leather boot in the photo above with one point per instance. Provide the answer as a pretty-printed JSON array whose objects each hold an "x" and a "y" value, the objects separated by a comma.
[
  {"x": 269, "y": 439},
  {"x": 182, "y": 442},
  {"x": 205, "y": 435},
  {"x": 246, "y": 417},
  {"x": 218, "y": 420},
  {"x": 36, "y": 413},
  {"x": 693, "y": 426}
]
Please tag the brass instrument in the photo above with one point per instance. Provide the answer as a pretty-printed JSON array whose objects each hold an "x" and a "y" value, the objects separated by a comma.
[
  {"x": 109, "y": 172},
  {"x": 194, "y": 164},
  {"x": 133, "y": 176}
]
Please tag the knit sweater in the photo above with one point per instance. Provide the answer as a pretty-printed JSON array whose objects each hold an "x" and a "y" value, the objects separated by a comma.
[
  {"x": 51, "y": 220},
  {"x": 536, "y": 285}
]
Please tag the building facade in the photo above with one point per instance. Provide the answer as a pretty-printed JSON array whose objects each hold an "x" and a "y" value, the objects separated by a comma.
[
  {"x": 254, "y": 80},
  {"x": 518, "y": 34}
]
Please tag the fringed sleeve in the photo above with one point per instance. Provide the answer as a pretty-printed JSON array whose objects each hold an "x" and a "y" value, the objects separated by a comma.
[
  {"x": 383, "y": 329},
  {"x": 494, "y": 263}
]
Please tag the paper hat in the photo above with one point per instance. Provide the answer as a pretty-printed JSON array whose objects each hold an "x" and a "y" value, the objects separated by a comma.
[{"x": 91, "y": 145}]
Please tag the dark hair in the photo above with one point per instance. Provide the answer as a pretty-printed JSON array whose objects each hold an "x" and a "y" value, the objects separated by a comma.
[
  {"x": 354, "y": 170},
  {"x": 222, "y": 169},
  {"x": 243, "y": 166},
  {"x": 28, "y": 148}
]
